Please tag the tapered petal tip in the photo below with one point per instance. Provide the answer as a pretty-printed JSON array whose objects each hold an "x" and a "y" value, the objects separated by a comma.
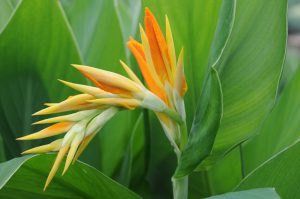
[
  {"x": 22, "y": 138},
  {"x": 45, "y": 111},
  {"x": 147, "y": 11},
  {"x": 78, "y": 67}
]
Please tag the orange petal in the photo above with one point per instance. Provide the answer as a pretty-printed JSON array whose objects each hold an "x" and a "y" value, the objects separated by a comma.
[
  {"x": 158, "y": 46},
  {"x": 52, "y": 130},
  {"x": 152, "y": 84},
  {"x": 56, "y": 164},
  {"x": 138, "y": 46}
]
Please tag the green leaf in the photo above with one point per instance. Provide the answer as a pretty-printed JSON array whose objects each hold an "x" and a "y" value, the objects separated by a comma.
[
  {"x": 31, "y": 61},
  {"x": 2, "y": 150},
  {"x": 249, "y": 67},
  {"x": 6, "y": 10},
  {"x": 128, "y": 13},
  {"x": 281, "y": 172},
  {"x": 205, "y": 126},
  {"x": 280, "y": 129},
  {"x": 134, "y": 149},
  {"x": 212, "y": 180},
  {"x": 24, "y": 178},
  {"x": 260, "y": 193}
]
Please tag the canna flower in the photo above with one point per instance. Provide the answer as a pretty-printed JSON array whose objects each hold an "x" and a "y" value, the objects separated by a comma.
[{"x": 111, "y": 93}]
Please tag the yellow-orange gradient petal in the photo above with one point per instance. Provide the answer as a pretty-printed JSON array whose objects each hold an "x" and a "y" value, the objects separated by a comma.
[
  {"x": 91, "y": 90},
  {"x": 109, "y": 81},
  {"x": 50, "y": 131}
]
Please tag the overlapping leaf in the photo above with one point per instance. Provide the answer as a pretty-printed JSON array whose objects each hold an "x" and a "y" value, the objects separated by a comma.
[
  {"x": 24, "y": 178},
  {"x": 281, "y": 172},
  {"x": 249, "y": 66}
]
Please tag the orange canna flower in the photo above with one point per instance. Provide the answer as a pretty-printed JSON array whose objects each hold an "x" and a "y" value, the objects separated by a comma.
[{"x": 112, "y": 92}]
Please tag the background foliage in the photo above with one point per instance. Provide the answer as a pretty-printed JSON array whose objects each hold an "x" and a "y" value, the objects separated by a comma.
[{"x": 245, "y": 41}]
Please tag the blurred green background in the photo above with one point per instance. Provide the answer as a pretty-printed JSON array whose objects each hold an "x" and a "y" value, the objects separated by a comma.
[{"x": 40, "y": 39}]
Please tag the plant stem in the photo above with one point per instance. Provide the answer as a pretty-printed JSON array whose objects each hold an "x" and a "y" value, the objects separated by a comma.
[{"x": 180, "y": 187}]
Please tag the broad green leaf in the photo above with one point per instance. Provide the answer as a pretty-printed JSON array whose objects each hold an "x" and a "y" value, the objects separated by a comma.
[
  {"x": 25, "y": 177},
  {"x": 31, "y": 61},
  {"x": 280, "y": 129},
  {"x": 249, "y": 67},
  {"x": 260, "y": 193},
  {"x": 281, "y": 172},
  {"x": 205, "y": 126},
  {"x": 28, "y": 87}
]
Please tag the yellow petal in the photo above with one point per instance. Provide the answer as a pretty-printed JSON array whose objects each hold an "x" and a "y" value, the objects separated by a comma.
[
  {"x": 171, "y": 48},
  {"x": 66, "y": 104},
  {"x": 131, "y": 74},
  {"x": 70, "y": 156},
  {"x": 52, "y": 130},
  {"x": 50, "y": 104},
  {"x": 91, "y": 90},
  {"x": 56, "y": 164},
  {"x": 83, "y": 145},
  {"x": 123, "y": 102},
  {"x": 53, "y": 146},
  {"x": 69, "y": 118}
]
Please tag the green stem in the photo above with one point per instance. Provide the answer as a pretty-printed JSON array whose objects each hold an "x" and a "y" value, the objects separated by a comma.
[
  {"x": 173, "y": 115},
  {"x": 180, "y": 187}
]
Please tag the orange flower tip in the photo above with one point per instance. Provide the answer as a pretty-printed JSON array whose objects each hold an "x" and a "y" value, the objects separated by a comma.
[{"x": 147, "y": 11}]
